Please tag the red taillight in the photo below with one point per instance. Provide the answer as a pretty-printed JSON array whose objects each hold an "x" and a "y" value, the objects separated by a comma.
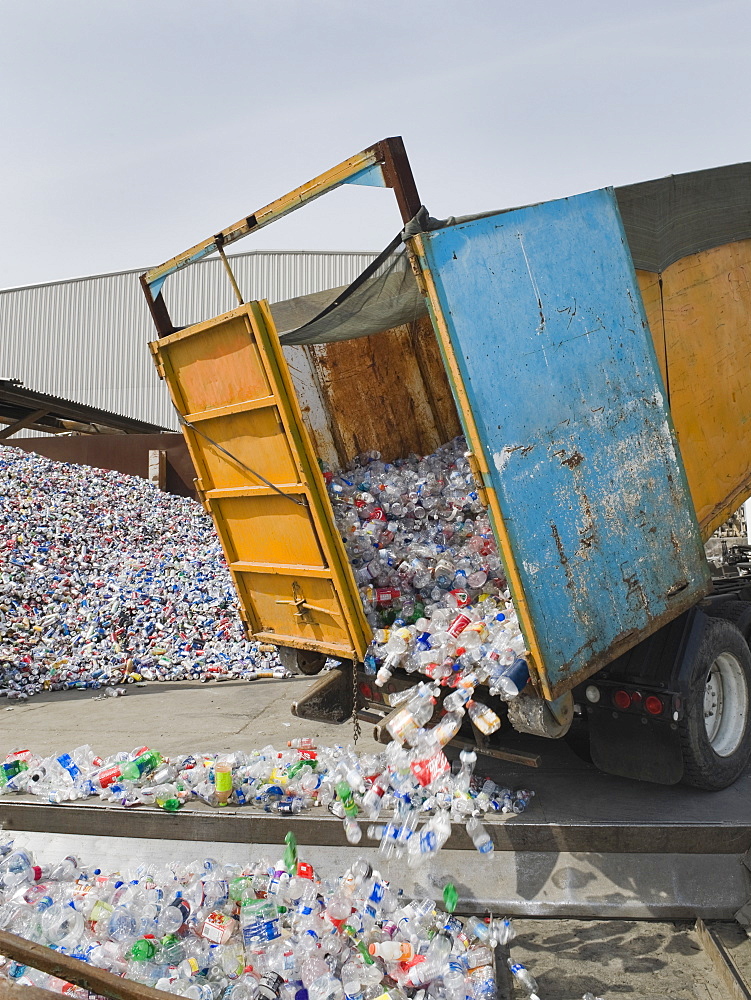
[
  {"x": 636, "y": 698},
  {"x": 654, "y": 705},
  {"x": 622, "y": 700},
  {"x": 366, "y": 690}
]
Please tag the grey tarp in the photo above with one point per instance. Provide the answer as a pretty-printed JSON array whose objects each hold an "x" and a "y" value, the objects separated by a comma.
[
  {"x": 382, "y": 301},
  {"x": 664, "y": 220}
]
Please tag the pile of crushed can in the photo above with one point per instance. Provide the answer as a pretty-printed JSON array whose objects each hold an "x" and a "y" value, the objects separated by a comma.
[{"x": 106, "y": 580}]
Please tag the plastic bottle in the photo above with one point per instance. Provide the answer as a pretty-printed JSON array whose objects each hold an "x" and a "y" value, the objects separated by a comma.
[
  {"x": 223, "y": 782},
  {"x": 430, "y": 839},
  {"x": 418, "y": 710},
  {"x": 482, "y": 983},
  {"x": 514, "y": 679},
  {"x": 483, "y": 717},
  {"x": 302, "y": 743},
  {"x": 479, "y": 836},
  {"x": 524, "y": 978},
  {"x": 141, "y": 765},
  {"x": 351, "y": 826},
  {"x": 454, "y": 981}
]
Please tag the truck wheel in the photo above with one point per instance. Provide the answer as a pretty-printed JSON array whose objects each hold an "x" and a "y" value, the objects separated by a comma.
[
  {"x": 301, "y": 661},
  {"x": 716, "y": 729}
]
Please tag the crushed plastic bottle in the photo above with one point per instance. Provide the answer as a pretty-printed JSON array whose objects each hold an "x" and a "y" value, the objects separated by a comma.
[{"x": 430, "y": 579}]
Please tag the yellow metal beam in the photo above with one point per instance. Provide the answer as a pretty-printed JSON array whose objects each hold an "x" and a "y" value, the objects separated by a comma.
[{"x": 307, "y": 192}]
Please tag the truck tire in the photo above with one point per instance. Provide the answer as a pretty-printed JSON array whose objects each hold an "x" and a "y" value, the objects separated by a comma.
[
  {"x": 737, "y": 612},
  {"x": 715, "y": 731},
  {"x": 301, "y": 661}
]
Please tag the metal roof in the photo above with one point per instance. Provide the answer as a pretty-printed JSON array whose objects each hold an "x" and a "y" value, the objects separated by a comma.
[
  {"x": 24, "y": 408},
  {"x": 85, "y": 338}
]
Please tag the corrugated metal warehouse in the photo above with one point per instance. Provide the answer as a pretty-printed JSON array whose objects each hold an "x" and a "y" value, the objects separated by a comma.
[{"x": 85, "y": 339}]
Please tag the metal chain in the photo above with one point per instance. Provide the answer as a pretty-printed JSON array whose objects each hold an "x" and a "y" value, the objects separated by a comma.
[{"x": 355, "y": 692}]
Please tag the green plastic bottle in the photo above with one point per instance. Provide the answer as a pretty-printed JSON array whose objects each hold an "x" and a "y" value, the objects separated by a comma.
[
  {"x": 143, "y": 950},
  {"x": 290, "y": 853},
  {"x": 450, "y": 897},
  {"x": 147, "y": 762},
  {"x": 344, "y": 793}
]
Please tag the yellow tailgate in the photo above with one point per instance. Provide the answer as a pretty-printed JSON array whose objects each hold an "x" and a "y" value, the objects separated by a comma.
[{"x": 259, "y": 479}]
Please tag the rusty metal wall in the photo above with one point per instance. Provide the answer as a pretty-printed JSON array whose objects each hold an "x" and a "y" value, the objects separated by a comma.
[
  {"x": 128, "y": 453},
  {"x": 388, "y": 392}
]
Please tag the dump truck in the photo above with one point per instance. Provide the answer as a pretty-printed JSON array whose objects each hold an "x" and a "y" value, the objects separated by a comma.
[{"x": 592, "y": 350}]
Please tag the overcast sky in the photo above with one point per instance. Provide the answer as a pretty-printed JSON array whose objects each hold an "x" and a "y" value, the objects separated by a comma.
[{"x": 132, "y": 130}]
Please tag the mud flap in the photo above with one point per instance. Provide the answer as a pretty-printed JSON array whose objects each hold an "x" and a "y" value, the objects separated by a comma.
[
  {"x": 632, "y": 746},
  {"x": 329, "y": 699}
]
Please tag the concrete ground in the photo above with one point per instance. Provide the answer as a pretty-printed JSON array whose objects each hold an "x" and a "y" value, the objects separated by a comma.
[
  {"x": 172, "y": 718},
  {"x": 614, "y": 958}
]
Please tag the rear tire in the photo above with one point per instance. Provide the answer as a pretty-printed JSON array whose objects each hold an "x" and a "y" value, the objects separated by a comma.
[
  {"x": 737, "y": 612},
  {"x": 302, "y": 661},
  {"x": 715, "y": 731}
]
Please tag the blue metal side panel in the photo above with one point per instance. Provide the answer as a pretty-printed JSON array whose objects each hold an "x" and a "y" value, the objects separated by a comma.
[{"x": 548, "y": 328}]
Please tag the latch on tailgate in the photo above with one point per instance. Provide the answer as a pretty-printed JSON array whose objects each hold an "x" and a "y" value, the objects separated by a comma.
[{"x": 303, "y": 607}]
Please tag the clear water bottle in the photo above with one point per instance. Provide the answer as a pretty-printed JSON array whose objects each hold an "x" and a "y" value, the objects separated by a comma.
[
  {"x": 479, "y": 836},
  {"x": 524, "y": 978}
]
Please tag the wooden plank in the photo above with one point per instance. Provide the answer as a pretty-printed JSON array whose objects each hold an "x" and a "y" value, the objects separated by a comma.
[
  {"x": 19, "y": 425},
  {"x": 409, "y": 403},
  {"x": 38, "y": 956},
  {"x": 723, "y": 964},
  {"x": 14, "y": 991}
]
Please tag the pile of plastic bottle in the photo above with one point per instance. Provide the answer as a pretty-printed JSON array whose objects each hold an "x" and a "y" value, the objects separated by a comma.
[
  {"x": 105, "y": 579},
  {"x": 273, "y": 930},
  {"x": 407, "y": 799},
  {"x": 430, "y": 578}
]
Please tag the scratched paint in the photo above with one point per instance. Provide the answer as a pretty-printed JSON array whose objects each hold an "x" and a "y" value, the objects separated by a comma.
[{"x": 548, "y": 327}]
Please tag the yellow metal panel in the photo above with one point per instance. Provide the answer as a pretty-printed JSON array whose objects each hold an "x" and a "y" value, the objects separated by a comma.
[
  {"x": 273, "y": 597},
  {"x": 270, "y": 529},
  {"x": 229, "y": 378},
  {"x": 650, "y": 286},
  {"x": 480, "y": 468},
  {"x": 707, "y": 310}
]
